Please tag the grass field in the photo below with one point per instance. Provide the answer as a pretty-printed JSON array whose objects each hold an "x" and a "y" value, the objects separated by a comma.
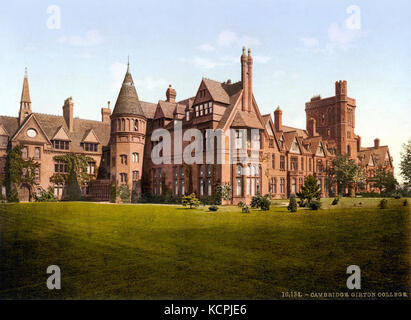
[{"x": 110, "y": 251}]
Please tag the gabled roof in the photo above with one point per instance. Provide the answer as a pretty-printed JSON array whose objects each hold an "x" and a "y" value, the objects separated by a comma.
[
  {"x": 378, "y": 155},
  {"x": 245, "y": 119},
  {"x": 61, "y": 134},
  {"x": 149, "y": 109},
  {"x": 127, "y": 100},
  {"x": 301, "y": 132},
  {"x": 10, "y": 124},
  {"x": 217, "y": 91},
  {"x": 165, "y": 109},
  {"x": 90, "y": 136},
  {"x": 3, "y": 131}
]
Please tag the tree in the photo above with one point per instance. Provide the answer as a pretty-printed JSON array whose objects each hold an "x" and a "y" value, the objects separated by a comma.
[
  {"x": 76, "y": 174},
  {"x": 384, "y": 180},
  {"x": 19, "y": 172},
  {"x": 190, "y": 200},
  {"x": 310, "y": 190},
  {"x": 405, "y": 164},
  {"x": 345, "y": 172},
  {"x": 222, "y": 192}
]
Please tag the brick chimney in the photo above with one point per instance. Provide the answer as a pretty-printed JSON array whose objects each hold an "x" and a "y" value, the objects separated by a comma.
[
  {"x": 244, "y": 80},
  {"x": 376, "y": 142},
  {"x": 106, "y": 113},
  {"x": 68, "y": 108},
  {"x": 171, "y": 94},
  {"x": 358, "y": 143},
  {"x": 278, "y": 119},
  {"x": 250, "y": 81},
  {"x": 312, "y": 127}
]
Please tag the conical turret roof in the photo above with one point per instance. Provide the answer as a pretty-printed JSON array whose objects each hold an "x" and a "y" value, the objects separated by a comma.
[{"x": 127, "y": 100}]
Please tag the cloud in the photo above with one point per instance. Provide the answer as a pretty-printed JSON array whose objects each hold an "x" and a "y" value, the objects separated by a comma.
[
  {"x": 341, "y": 37},
  {"x": 151, "y": 83},
  {"x": 206, "y": 47},
  {"x": 310, "y": 42},
  {"x": 91, "y": 38},
  {"x": 261, "y": 59},
  {"x": 229, "y": 38},
  {"x": 204, "y": 63},
  {"x": 235, "y": 60}
]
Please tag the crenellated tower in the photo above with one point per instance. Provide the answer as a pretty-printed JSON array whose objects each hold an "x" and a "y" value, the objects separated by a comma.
[{"x": 127, "y": 138}]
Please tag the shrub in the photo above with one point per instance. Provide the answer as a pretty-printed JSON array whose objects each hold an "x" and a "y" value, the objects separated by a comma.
[
  {"x": 45, "y": 196},
  {"x": 335, "y": 201},
  {"x": 245, "y": 209},
  {"x": 302, "y": 203},
  {"x": 241, "y": 204},
  {"x": 292, "y": 206},
  {"x": 113, "y": 193},
  {"x": 213, "y": 208},
  {"x": 396, "y": 195},
  {"x": 383, "y": 204},
  {"x": 190, "y": 200},
  {"x": 124, "y": 193},
  {"x": 405, "y": 203},
  {"x": 265, "y": 203},
  {"x": 73, "y": 187},
  {"x": 256, "y": 201},
  {"x": 315, "y": 204}
]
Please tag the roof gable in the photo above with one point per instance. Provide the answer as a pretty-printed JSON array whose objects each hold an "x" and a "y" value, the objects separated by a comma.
[
  {"x": 295, "y": 147},
  {"x": 371, "y": 162},
  {"x": 320, "y": 150},
  {"x": 3, "y": 131},
  {"x": 31, "y": 122},
  {"x": 61, "y": 134},
  {"x": 90, "y": 136}
]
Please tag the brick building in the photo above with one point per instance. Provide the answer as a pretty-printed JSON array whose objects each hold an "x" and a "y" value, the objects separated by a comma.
[{"x": 122, "y": 142}]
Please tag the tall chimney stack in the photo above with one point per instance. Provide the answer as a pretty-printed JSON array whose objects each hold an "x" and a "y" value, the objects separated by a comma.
[
  {"x": 278, "y": 119},
  {"x": 244, "y": 80},
  {"x": 68, "y": 109},
  {"x": 250, "y": 81},
  {"x": 312, "y": 127},
  {"x": 171, "y": 94},
  {"x": 106, "y": 113}
]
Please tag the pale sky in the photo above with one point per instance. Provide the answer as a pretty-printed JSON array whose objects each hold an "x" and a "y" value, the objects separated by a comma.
[{"x": 300, "y": 49}]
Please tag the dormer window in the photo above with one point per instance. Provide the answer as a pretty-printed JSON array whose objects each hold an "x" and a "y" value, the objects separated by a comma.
[
  {"x": 4, "y": 141},
  {"x": 90, "y": 147},
  {"x": 61, "y": 144},
  {"x": 204, "y": 109}
]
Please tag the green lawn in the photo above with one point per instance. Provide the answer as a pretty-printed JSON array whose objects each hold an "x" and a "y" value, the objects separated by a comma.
[{"x": 161, "y": 252}]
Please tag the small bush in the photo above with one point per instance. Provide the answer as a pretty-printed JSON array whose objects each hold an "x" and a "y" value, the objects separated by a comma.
[
  {"x": 383, "y": 204},
  {"x": 405, "y": 203},
  {"x": 190, "y": 201},
  {"x": 292, "y": 206},
  {"x": 265, "y": 204},
  {"x": 124, "y": 193},
  {"x": 335, "y": 202},
  {"x": 213, "y": 208},
  {"x": 315, "y": 204},
  {"x": 44, "y": 196},
  {"x": 245, "y": 209},
  {"x": 241, "y": 204},
  {"x": 256, "y": 201},
  {"x": 397, "y": 195}
]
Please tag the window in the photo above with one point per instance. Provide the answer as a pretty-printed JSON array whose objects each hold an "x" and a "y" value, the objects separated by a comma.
[
  {"x": 294, "y": 163},
  {"x": 58, "y": 190},
  {"x": 273, "y": 185},
  {"x": 209, "y": 187},
  {"x": 248, "y": 186},
  {"x": 24, "y": 153},
  {"x": 36, "y": 153},
  {"x": 349, "y": 150},
  {"x": 201, "y": 110},
  {"x": 310, "y": 164},
  {"x": 135, "y": 157},
  {"x": 187, "y": 115},
  {"x": 60, "y": 167},
  {"x": 135, "y": 125},
  {"x": 123, "y": 177},
  {"x": 302, "y": 163},
  {"x": 238, "y": 139},
  {"x": 37, "y": 174},
  {"x": 210, "y": 107},
  {"x": 60, "y": 144},
  {"x": 123, "y": 159},
  {"x": 196, "y": 109},
  {"x": 271, "y": 143},
  {"x": 282, "y": 185},
  {"x": 273, "y": 161},
  {"x": 4, "y": 140},
  {"x": 239, "y": 180},
  {"x": 319, "y": 166},
  {"x": 91, "y": 168},
  {"x": 282, "y": 163},
  {"x": 136, "y": 175},
  {"x": 90, "y": 147},
  {"x": 182, "y": 187},
  {"x": 293, "y": 185}
]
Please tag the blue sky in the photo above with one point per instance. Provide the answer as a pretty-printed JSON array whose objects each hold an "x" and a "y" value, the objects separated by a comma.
[{"x": 300, "y": 49}]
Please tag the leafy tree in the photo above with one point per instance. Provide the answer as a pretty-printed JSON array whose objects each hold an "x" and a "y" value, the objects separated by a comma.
[
  {"x": 292, "y": 206},
  {"x": 19, "y": 172},
  {"x": 76, "y": 174},
  {"x": 405, "y": 164},
  {"x": 345, "y": 172},
  {"x": 223, "y": 192},
  {"x": 190, "y": 200},
  {"x": 310, "y": 190},
  {"x": 124, "y": 193},
  {"x": 384, "y": 180}
]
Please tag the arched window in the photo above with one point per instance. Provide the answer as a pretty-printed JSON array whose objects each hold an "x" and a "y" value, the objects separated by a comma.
[
  {"x": 135, "y": 125},
  {"x": 349, "y": 150},
  {"x": 123, "y": 124}
]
